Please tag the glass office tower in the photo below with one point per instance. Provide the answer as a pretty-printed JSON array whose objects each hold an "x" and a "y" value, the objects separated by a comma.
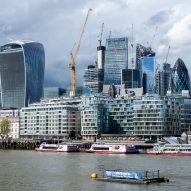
[
  {"x": 148, "y": 69},
  {"x": 162, "y": 79},
  {"x": 22, "y": 66},
  {"x": 141, "y": 52},
  {"x": 116, "y": 59},
  {"x": 180, "y": 79}
]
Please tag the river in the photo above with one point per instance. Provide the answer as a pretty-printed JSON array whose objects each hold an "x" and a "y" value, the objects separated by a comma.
[{"x": 33, "y": 171}]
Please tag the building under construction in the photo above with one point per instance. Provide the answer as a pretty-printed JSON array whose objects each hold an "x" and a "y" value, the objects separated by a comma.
[
  {"x": 94, "y": 74},
  {"x": 93, "y": 79}
]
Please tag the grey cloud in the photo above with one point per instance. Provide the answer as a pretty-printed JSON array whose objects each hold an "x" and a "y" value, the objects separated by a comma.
[
  {"x": 57, "y": 25},
  {"x": 159, "y": 18}
]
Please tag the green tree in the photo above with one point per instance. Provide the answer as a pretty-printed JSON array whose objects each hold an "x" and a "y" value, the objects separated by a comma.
[{"x": 4, "y": 128}]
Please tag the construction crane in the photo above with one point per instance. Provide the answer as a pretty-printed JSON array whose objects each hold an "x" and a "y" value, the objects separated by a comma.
[
  {"x": 73, "y": 57},
  {"x": 100, "y": 40},
  {"x": 153, "y": 37},
  {"x": 132, "y": 58},
  {"x": 166, "y": 59}
]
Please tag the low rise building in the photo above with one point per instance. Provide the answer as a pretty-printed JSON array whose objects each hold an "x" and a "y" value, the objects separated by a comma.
[
  {"x": 92, "y": 116},
  {"x": 50, "y": 119},
  {"x": 149, "y": 116},
  {"x": 13, "y": 116}
]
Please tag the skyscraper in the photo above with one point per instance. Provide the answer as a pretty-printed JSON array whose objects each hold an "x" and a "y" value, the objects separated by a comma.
[
  {"x": 179, "y": 79},
  {"x": 93, "y": 79},
  {"x": 162, "y": 80},
  {"x": 143, "y": 55},
  {"x": 22, "y": 66},
  {"x": 116, "y": 59},
  {"x": 128, "y": 75},
  {"x": 148, "y": 69}
]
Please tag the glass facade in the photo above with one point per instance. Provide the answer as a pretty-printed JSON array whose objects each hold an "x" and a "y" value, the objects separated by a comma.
[
  {"x": 162, "y": 80},
  {"x": 141, "y": 52},
  {"x": 118, "y": 116},
  {"x": 180, "y": 79},
  {"x": 127, "y": 75},
  {"x": 93, "y": 79},
  {"x": 148, "y": 69},
  {"x": 149, "y": 116},
  {"x": 22, "y": 66},
  {"x": 51, "y": 92},
  {"x": 92, "y": 116},
  {"x": 116, "y": 59}
]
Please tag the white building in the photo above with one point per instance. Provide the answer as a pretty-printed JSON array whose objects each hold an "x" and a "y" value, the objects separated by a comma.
[{"x": 50, "y": 119}]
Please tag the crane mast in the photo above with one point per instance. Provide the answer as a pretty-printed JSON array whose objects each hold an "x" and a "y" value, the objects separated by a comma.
[
  {"x": 132, "y": 58},
  {"x": 100, "y": 40},
  {"x": 73, "y": 57}
]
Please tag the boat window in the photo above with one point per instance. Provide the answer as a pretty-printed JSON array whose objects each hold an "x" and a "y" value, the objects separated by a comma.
[
  {"x": 44, "y": 147},
  {"x": 101, "y": 148}
]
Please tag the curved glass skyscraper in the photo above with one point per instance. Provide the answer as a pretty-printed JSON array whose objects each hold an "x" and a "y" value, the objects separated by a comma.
[
  {"x": 179, "y": 78},
  {"x": 22, "y": 66}
]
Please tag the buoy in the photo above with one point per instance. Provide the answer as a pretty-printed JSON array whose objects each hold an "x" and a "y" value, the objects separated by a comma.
[{"x": 93, "y": 175}]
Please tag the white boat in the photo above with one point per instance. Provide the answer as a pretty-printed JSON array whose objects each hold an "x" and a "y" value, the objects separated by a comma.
[
  {"x": 44, "y": 147},
  {"x": 111, "y": 149},
  {"x": 170, "y": 149}
]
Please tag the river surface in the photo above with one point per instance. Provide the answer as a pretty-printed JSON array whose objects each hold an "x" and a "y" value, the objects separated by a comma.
[{"x": 33, "y": 171}]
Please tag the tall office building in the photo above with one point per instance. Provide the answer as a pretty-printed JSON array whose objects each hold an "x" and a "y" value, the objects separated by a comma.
[
  {"x": 130, "y": 78},
  {"x": 22, "y": 66},
  {"x": 148, "y": 69},
  {"x": 145, "y": 64},
  {"x": 116, "y": 59},
  {"x": 93, "y": 79},
  {"x": 162, "y": 80},
  {"x": 179, "y": 79}
]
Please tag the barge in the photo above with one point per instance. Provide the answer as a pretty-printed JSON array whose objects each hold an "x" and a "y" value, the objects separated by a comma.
[{"x": 130, "y": 177}]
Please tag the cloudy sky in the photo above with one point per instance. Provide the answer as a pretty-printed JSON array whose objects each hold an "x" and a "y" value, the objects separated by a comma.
[{"x": 57, "y": 25}]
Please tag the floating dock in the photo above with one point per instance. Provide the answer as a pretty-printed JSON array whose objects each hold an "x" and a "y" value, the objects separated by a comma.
[
  {"x": 134, "y": 181},
  {"x": 128, "y": 177}
]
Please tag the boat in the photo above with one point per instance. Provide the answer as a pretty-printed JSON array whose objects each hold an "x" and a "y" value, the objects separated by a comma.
[
  {"x": 130, "y": 177},
  {"x": 170, "y": 149},
  {"x": 102, "y": 148},
  {"x": 44, "y": 147}
]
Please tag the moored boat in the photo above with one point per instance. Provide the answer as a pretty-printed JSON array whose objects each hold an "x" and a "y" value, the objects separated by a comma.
[
  {"x": 111, "y": 149},
  {"x": 44, "y": 147},
  {"x": 170, "y": 149}
]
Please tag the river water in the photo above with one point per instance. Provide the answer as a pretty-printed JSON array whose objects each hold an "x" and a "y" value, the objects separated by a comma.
[{"x": 33, "y": 171}]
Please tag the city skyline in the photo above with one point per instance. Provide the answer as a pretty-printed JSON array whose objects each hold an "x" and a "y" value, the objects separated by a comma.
[{"x": 57, "y": 25}]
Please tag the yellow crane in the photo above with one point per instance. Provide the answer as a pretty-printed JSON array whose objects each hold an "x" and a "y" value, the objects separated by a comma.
[{"x": 73, "y": 57}]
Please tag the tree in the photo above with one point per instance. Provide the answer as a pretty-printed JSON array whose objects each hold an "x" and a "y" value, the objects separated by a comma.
[{"x": 4, "y": 128}]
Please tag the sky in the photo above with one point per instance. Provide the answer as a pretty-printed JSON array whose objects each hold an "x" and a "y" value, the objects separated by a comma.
[{"x": 57, "y": 24}]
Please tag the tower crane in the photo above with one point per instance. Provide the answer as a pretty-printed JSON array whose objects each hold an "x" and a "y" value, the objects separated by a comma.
[
  {"x": 100, "y": 40},
  {"x": 166, "y": 59},
  {"x": 132, "y": 58},
  {"x": 153, "y": 37},
  {"x": 73, "y": 57}
]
